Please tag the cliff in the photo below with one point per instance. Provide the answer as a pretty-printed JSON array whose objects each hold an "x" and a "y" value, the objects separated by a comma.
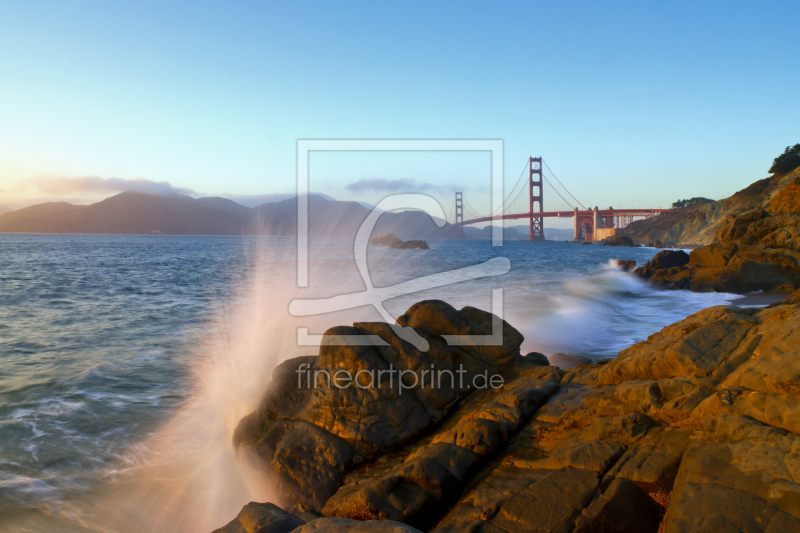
[
  {"x": 697, "y": 225},
  {"x": 758, "y": 250}
]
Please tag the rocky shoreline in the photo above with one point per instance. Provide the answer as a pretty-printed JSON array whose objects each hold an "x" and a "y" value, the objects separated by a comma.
[
  {"x": 695, "y": 429},
  {"x": 754, "y": 248},
  {"x": 755, "y": 251}
]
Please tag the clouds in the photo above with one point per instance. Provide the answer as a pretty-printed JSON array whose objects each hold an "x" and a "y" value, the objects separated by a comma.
[
  {"x": 63, "y": 185},
  {"x": 387, "y": 185}
]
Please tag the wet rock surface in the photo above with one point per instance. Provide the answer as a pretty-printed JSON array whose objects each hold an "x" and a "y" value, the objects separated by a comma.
[
  {"x": 626, "y": 265},
  {"x": 696, "y": 429}
]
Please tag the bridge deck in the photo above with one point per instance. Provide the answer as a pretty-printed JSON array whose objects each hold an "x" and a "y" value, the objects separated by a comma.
[{"x": 569, "y": 214}]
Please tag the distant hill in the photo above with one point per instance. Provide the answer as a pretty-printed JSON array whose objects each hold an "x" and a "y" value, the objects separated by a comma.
[
  {"x": 558, "y": 234},
  {"x": 486, "y": 233},
  {"x": 518, "y": 233},
  {"x": 342, "y": 219},
  {"x": 139, "y": 213},
  {"x": 223, "y": 204},
  {"x": 697, "y": 224},
  {"x": 4, "y": 210},
  {"x": 39, "y": 218},
  {"x": 550, "y": 234}
]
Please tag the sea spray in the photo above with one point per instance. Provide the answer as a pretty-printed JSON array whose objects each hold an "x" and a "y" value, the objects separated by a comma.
[
  {"x": 119, "y": 410},
  {"x": 191, "y": 478},
  {"x": 601, "y": 313}
]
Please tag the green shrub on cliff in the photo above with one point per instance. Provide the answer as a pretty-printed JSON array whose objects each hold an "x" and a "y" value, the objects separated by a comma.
[
  {"x": 787, "y": 161},
  {"x": 690, "y": 201}
]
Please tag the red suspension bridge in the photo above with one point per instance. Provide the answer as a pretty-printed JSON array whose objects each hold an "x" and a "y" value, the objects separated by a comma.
[{"x": 528, "y": 199}]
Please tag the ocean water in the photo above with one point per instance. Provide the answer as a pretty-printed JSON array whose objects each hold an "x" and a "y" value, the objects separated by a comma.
[{"x": 126, "y": 361}]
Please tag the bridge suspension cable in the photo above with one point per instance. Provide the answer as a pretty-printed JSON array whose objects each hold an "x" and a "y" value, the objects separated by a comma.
[
  {"x": 575, "y": 203},
  {"x": 513, "y": 196},
  {"x": 556, "y": 196}
]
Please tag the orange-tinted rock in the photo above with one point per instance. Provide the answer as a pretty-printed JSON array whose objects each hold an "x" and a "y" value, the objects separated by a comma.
[{"x": 702, "y": 418}]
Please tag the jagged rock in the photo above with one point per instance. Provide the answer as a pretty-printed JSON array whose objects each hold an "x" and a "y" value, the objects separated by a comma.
[
  {"x": 696, "y": 429},
  {"x": 627, "y": 266},
  {"x": 344, "y": 525},
  {"x": 262, "y": 518},
  {"x": 753, "y": 251},
  {"x": 386, "y": 239},
  {"x": 669, "y": 259},
  {"x": 304, "y": 512},
  {"x": 793, "y": 298},
  {"x": 319, "y": 430},
  {"x": 528, "y": 491},
  {"x": 412, "y": 487},
  {"x": 617, "y": 240},
  {"x": 537, "y": 358}
]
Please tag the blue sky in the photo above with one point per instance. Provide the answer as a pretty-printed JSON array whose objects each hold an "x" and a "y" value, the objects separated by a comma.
[{"x": 632, "y": 104}]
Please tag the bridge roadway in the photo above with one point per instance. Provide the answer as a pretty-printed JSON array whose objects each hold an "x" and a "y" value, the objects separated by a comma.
[
  {"x": 568, "y": 214},
  {"x": 591, "y": 224}
]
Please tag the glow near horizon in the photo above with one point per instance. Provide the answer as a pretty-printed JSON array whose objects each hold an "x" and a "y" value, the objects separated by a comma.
[{"x": 631, "y": 104}]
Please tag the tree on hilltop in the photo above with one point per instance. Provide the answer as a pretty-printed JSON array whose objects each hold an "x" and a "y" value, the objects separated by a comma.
[
  {"x": 787, "y": 161},
  {"x": 691, "y": 201}
]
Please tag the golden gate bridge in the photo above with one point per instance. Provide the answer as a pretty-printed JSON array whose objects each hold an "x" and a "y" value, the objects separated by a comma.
[{"x": 527, "y": 199}]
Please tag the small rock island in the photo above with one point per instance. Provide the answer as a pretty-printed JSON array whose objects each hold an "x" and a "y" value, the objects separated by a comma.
[{"x": 393, "y": 241}]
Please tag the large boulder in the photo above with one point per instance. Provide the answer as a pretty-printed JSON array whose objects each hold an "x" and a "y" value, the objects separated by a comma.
[
  {"x": 322, "y": 417},
  {"x": 262, "y": 518},
  {"x": 393, "y": 241},
  {"x": 627, "y": 266},
  {"x": 412, "y": 245},
  {"x": 617, "y": 240},
  {"x": 669, "y": 259}
]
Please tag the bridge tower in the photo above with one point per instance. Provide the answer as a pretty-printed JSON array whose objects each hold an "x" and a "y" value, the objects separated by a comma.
[
  {"x": 535, "y": 180},
  {"x": 459, "y": 209}
]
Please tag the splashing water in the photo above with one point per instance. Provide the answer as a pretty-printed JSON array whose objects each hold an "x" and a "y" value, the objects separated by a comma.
[{"x": 123, "y": 377}]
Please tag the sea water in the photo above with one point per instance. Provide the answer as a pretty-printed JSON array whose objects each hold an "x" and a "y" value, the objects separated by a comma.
[{"x": 126, "y": 361}]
